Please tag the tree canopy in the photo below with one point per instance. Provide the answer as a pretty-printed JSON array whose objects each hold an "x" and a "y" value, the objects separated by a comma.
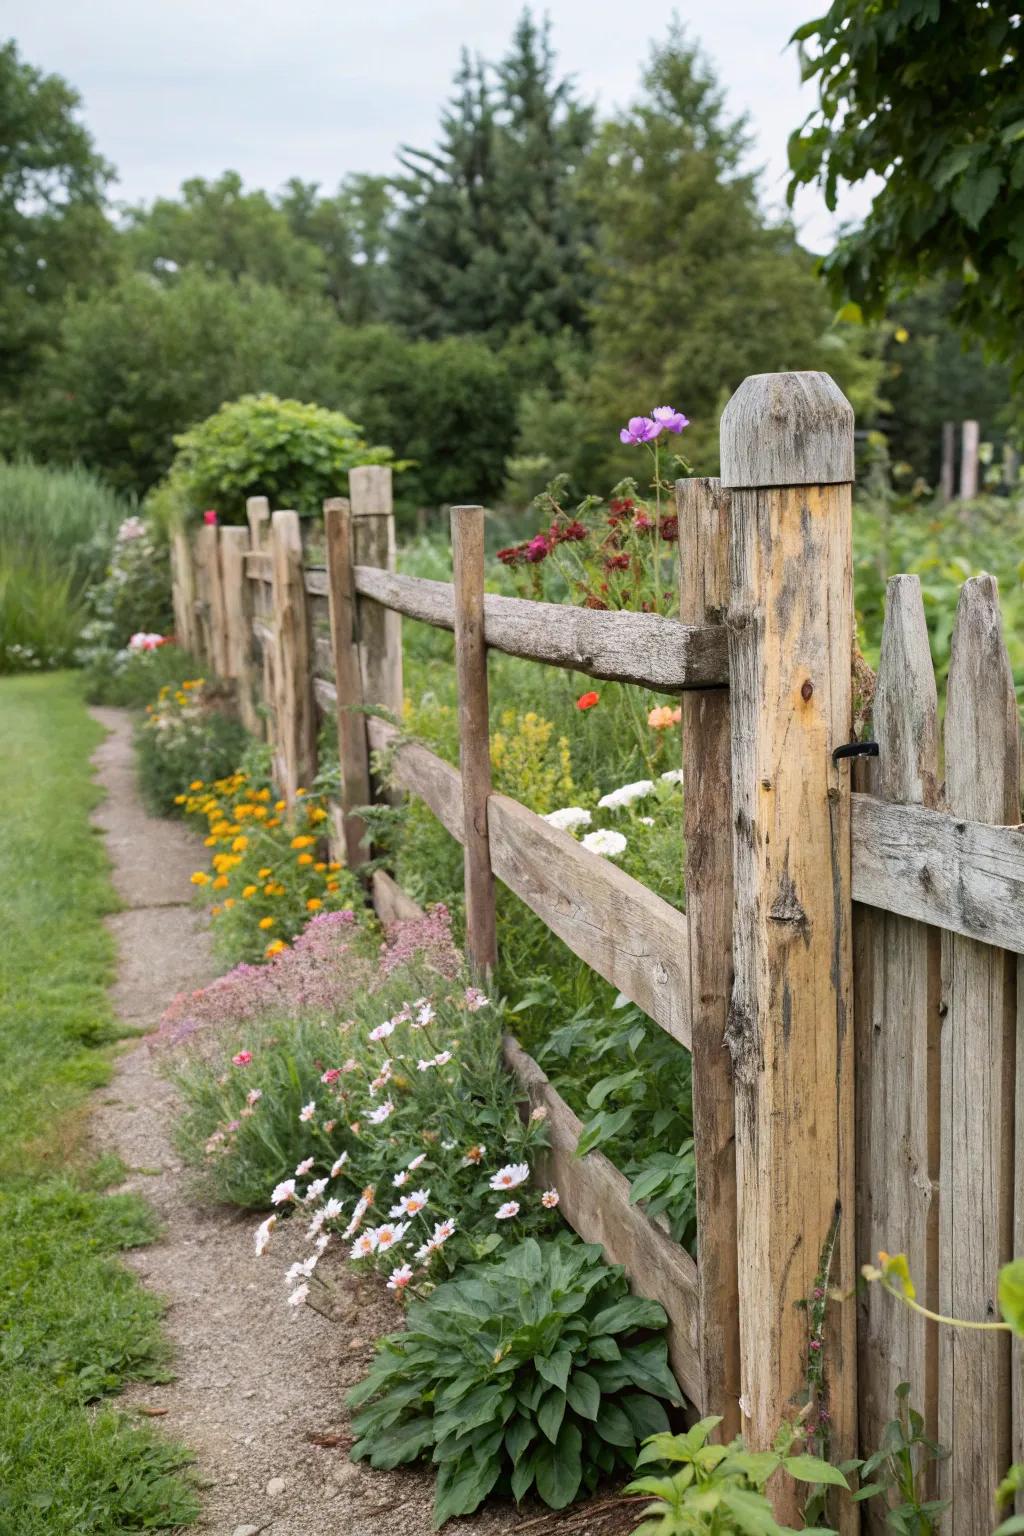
[{"x": 929, "y": 96}]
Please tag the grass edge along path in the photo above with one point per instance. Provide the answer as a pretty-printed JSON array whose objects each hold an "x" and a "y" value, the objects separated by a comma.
[{"x": 75, "y": 1325}]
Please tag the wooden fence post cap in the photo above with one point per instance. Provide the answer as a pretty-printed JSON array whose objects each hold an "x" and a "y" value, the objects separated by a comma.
[
  {"x": 369, "y": 488},
  {"x": 257, "y": 506},
  {"x": 787, "y": 429},
  {"x": 336, "y": 504}
]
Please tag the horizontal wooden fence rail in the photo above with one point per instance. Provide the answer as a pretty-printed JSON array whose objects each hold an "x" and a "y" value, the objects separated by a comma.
[{"x": 611, "y": 645}]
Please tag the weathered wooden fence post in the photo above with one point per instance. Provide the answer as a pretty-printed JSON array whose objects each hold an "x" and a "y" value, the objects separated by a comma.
[
  {"x": 353, "y": 750},
  {"x": 373, "y": 543},
  {"x": 787, "y": 457},
  {"x": 982, "y": 740},
  {"x": 897, "y": 1011},
  {"x": 210, "y": 594},
  {"x": 294, "y": 711},
  {"x": 238, "y": 608},
  {"x": 183, "y": 592},
  {"x": 704, "y": 599},
  {"x": 474, "y": 735}
]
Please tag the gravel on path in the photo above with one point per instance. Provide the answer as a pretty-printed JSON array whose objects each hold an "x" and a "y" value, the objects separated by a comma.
[{"x": 259, "y": 1391}]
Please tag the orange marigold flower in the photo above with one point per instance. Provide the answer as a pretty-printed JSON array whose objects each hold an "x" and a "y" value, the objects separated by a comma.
[
  {"x": 229, "y": 902},
  {"x": 240, "y": 844},
  {"x": 200, "y": 877},
  {"x": 275, "y": 948},
  {"x": 264, "y": 873},
  {"x": 303, "y": 841},
  {"x": 266, "y": 922},
  {"x": 304, "y": 858},
  {"x": 249, "y": 890},
  {"x": 314, "y": 904},
  {"x": 220, "y": 883},
  {"x": 196, "y": 784}
]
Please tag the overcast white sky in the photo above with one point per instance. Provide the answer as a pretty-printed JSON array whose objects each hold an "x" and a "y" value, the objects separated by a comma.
[{"x": 318, "y": 88}]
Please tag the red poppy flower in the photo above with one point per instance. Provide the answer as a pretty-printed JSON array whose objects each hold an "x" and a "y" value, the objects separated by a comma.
[
  {"x": 587, "y": 700},
  {"x": 210, "y": 518}
]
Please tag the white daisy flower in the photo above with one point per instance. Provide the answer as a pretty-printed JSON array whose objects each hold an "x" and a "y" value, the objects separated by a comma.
[
  {"x": 383, "y": 1030},
  {"x": 315, "y": 1190},
  {"x": 388, "y": 1234},
  {"x": 507, "y": 1211},
  {"x": 550, "y": 1198},
  {"x": 298, "y": 1296},
  {"x": 308, "y": 1111},
  {"x": 304, "y": 1167},
  {"x": 399, "y": 1278},
  {"x": 510, "y": 1176},
  {"x": 282, "y": 1192},
  {"x": 338, "y": 1165},
  {"x": 262, "y": 1237},
  {"x": 364, "y": 1245},
  {"x": 475, "y": 1000},
  {"x": 626, "y": 794},
  {"x": 673, "y": 776},
  {"x": 421, "y": 1158},
  {"x": 379, "y": 1115}
]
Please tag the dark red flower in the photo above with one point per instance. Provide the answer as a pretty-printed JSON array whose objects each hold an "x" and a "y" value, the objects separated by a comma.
[
  {"x": 617, "y": 563},
  {"x": 512, "y": 555},
  {"x": 670, "y": 527},
  {"x": 537, "y": 549}
]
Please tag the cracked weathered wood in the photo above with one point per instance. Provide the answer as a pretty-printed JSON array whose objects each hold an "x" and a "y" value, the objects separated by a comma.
[
  {"x": 353, "y": 751},
  {"x": 643, "y": 648},
  {"x": 294, "y": 738},
  {"x": 467, "y": 524},
  {"x": 982, "y": 742},
  {"x": 210, "y": 597},
  {"x": 183, "y": 592},
  {"x": 234, "y": 545},
  {"x": 703, "y": 509},
  {"x": 379, "y": 631},
  {"x": 788, "y": 446},
  {"x": 622, "y": 930},
  {"x": 898, "y": 1053},
  {"x": 595, "y": 1197}
]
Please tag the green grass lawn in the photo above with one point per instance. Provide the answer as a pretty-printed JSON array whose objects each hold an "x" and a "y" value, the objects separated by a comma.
[{"x": 74, "y": 1324}]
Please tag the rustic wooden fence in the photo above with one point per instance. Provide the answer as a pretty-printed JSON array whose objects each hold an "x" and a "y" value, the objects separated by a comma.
[{"x": 847, "y": 972}]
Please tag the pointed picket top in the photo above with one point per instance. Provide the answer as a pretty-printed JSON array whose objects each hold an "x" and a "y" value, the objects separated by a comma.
[
  {"x": 906, "y": 703},
  {"x": 982, "y": 735},
  {"x": 787, "y": 429}
]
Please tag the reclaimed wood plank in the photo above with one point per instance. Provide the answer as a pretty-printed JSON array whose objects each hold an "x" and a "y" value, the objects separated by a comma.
[
  {"x": 467, "y": 524},
  {"x": 379, "y": 630},
  {"x": 234, "y": 543},
  {"x": 353, "y": 749},
  {"x": 294, "y": 715},
  {"x": 390, "y": 902},
  {"x": 956, "y": 873},
  {"x": 787, "y": 445},
  {"x": 643, "y": 648},
  {"x": 415, "y": 768},
  {"x": 703, "y": 509},
  {"x": 258, "y": 565},
  {"x": 595, "y": 1199},
  {"x": 982, "y": 742},
  {"x": 898, "y": 1054}
]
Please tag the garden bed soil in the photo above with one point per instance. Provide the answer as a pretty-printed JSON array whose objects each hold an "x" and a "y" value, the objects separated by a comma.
[{"x": 259, "y": 1389}]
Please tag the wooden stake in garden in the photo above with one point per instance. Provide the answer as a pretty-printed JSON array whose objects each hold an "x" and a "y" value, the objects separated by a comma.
[
  {"x": 787, "y": 457},
  {"x": 240, "y": 663},
  {"x": 294, "y": 715},
  {"x": 704, "y": 599},
  {"x": 353, "y": 752},
  {"x": 474, "y": 734}
]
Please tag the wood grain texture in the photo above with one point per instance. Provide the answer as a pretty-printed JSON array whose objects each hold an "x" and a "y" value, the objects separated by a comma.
[
  {"x": 1017, "y": 1348},
  {"x": 467, "y": 524},
  {"x": 353, "y": 750},
  {"x": 790, "y": 1032},
  {"x": 898, "y": 1055},
  {"x": 787, "y": 429},
  {"x": 703, "y": 509},
  {"x": 210, "y": 597},
  {"x": 982, "y": 742},
  {"x": 183, "y": 592},
  {"x": 940, "y": 868},
  {"x": 620, "y": 928},
  {"x": 241, "y": 666},
  {"x": 257, "y": 513},
  {"x": 390, "y": 902},
  {"x": 379, "y": 631},
  {"x": 258, "y": 565},
  {"x": 595, "y": 1199},
  {"x": 643, "y": 648},
  {"x": 294, "y": 715}
]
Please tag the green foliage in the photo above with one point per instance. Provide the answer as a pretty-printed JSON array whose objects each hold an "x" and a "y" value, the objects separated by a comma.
[
  {"x": 694, "y": 289},
  {"x": 186, "y": 734},
  {"x": 1011, "y": 1485},
  {"x": 295, "y": 454},
  {"x": 950, "y": 152},
  {"x": 720, "y": 1488},
  {"x": 899, "y": 1470},
  {"x": 1011, "y": 1295},
  {"x": 132, "y": 679},
  {"x": 77, "y": 1325},
  {"x": 350, "y": 231},
  {"x": 490, "y": 224},
  {"x": 56, "y": 531},
  {"x": 139, "y": 361},
  {"x": 540, "y": 1371},
  {"x": 54, "y": 236}
]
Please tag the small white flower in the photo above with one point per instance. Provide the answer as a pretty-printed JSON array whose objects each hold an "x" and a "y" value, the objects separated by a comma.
[
  {"x": 315, "y": 1224},
  {"x": 387, "y": 1235},
  {"x": 357, "y": 1215},
  {"x": 308, "y": 1111},
  {"x": 401, "y": 1178},
  {"x": 399, "y": 1278},
  {"x": 282, "y": 1192},
  {"x": 298, "y": 1296},
  {"x": 425, "y": 1066},
  {"x": 550, "y": 1199},
  {"x": 416, "y": 1162},
  {"x": 568, "y": 819},
  {"x": 507, "y": 1211},
  {"x": 442, "y": 1058},
  {"x": 512, "y": 1175},
  {"x": 443, "y": 1231},
  {"x": 673, "y": 776},
  {"x": 604, "y": 842},
  {"x": 424, "y": 1016},
  {"x": 474, "y": 1156},
  {"x": 315, "y": 1190},
  {"x": 626, "y": 794},
  {"x": 379, "y": 1115},
  {"x": 253, "y": 1096},
  {"x": 332, "y": 1209},
  {"x": 302, "y": 1269},
  {"x": 475, "y": 1000},
  {"x": 364, "y": 1245},
  {"x": 448, "y": 1146},
  {"x": 304, "y": 1167},
  {"x": 262, "y": 1237},
  {"x": 322, "y": 1242},
  {"x": 646, "y": 821},
  {"x": 383, "y": 1030},
  {"x": 411, "y": 1205},
  {"x": 338, "y": 1165}
]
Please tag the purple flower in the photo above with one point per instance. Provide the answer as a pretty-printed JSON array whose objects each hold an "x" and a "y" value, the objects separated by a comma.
[
  {"x": 641, "y": 429},
  {"x": 668, "y": 417}
]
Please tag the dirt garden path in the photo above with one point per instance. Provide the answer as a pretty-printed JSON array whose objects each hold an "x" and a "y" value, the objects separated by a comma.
[{"x": 257, "y": 1385}]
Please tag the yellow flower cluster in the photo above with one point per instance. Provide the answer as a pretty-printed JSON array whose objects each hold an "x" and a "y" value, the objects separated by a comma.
[
  {"x": 265, "y": 872},
  {"x": 528, "y": 764}
]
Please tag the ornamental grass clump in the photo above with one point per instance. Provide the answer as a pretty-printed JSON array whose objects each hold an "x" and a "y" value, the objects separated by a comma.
[
  {"x": 539, "y": 1371},
  {"x": 270, "y": 872}
]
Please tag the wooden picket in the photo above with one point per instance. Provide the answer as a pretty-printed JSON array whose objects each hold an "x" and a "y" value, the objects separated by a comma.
[{"x": 850, "y": 938}]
